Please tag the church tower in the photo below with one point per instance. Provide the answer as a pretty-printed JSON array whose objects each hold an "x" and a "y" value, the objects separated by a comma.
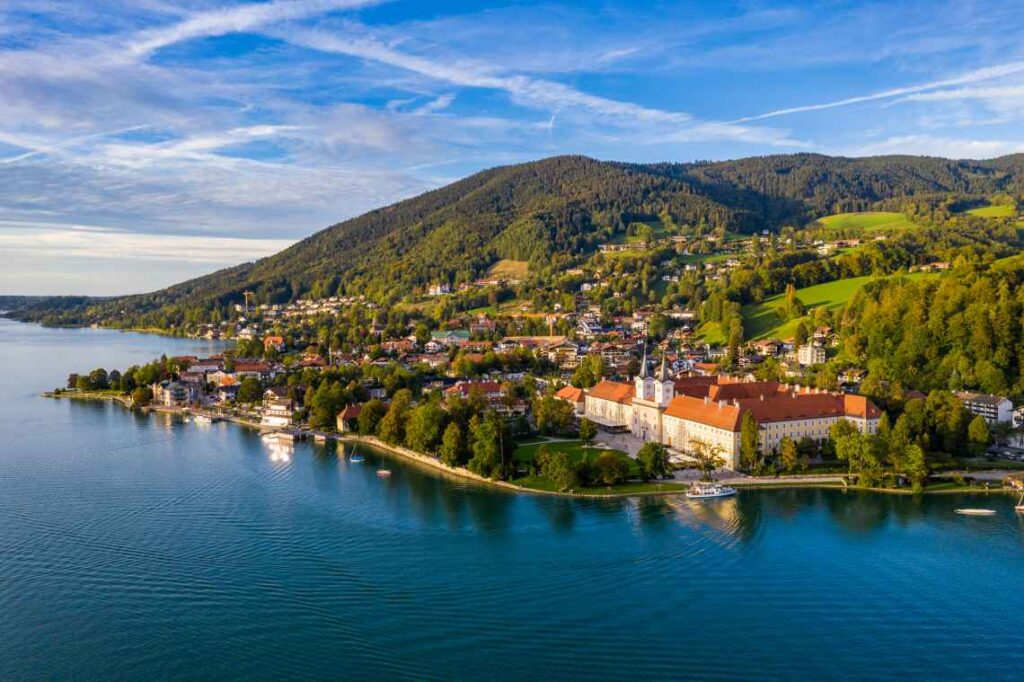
[
  {"x": 664, "y": 387},
  {"x": 642, "y": 381}
]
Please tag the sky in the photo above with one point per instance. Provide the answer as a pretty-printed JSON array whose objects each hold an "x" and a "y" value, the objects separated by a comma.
[{"x": 144, "y": 142}]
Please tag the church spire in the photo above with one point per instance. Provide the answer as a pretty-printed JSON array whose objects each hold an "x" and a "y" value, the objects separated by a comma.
[
  {"x": 643, "y": 365},
  {"x": 663, "y": 371}
]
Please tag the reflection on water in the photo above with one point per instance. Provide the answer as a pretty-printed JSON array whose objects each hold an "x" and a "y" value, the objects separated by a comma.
[{"x": 279, "y": 449}]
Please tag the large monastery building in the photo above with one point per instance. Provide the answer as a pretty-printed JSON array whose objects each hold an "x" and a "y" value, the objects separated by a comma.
[{"x": 710, "y": 409}]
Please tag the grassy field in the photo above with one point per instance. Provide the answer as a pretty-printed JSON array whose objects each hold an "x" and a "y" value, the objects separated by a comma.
[
  {"x": 761, "y": 321},
  {"x": 711, "y": 332},
  {"x": 527, "y": 452},
  {"x": 997, "y": 211},
  {"x": 511, "y": 269},
  {"x": 524, "y": 454},
  {"x": 867, "y": 222}
]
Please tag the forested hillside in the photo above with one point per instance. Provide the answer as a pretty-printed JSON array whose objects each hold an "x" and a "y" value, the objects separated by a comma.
[{"x": 551, "y": 213}]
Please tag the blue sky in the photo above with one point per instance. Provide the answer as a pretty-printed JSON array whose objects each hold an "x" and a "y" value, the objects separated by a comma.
[{"x": 143, "y": 142}]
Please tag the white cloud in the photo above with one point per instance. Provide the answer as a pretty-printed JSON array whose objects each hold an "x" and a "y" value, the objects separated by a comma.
[{"x": 947, "y": 147}]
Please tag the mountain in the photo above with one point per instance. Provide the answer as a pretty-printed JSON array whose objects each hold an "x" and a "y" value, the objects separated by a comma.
[{"x": 552, "y": 213}]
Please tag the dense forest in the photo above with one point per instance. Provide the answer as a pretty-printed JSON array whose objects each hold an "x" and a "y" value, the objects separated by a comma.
[{"x": 552, "y": 213}]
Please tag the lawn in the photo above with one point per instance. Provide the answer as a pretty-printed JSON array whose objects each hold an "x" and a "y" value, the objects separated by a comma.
[
  {"x": 509, "y": 269},
  {"x": 761, "y": 321},
  {"x": 996, "y": 211},
  {"x": 867, "y": 222},
  {"x": 527, "y": 452}
]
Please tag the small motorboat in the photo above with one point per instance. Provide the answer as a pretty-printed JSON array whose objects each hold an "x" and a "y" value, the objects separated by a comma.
[
  {"x": 200, "y": 418},
  {"x": 976, "y": 512},
  {"x": 384, "y": 473},
  {"x": 704, "y": 490}
]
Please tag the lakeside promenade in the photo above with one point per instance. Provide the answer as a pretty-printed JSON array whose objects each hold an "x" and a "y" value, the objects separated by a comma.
[{"x": 679, "y": 484}]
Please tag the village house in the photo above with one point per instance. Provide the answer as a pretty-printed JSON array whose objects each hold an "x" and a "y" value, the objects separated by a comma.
[
  {"x": 174, "y": 393},
  {"x": 275, "y": 343},
  {"x": 440, "y": 340},
  {"x": 348, "y": 418},
  {"x": 995, "y": 409},
  {"x": 575, "y": 397},
  {"x": 810, "y": 354},
  {"x": 278, "y": 408}
]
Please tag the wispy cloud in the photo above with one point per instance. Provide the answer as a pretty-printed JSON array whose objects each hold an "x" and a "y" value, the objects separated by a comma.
[{"x": 975, "y": 76}]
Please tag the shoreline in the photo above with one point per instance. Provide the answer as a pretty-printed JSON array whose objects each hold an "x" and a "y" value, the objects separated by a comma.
[{"x": 829, "y": 481}]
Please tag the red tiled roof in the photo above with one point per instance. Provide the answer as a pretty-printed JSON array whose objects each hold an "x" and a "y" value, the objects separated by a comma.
[
  {"x": 723, "y": 416},
  {"x": 859, "y": 406},
  {"x": 464, "y": 387},
  {"x": 571, "y": 393},
  {"x": 615, "y": 391},
  {"x": 777, "y": 407},
  {"x": 740, "y": 390},
  {"x": 350, "y": 412}
]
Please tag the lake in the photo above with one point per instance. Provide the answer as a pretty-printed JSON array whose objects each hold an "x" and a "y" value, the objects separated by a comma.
[{"x": 144, "y": 547}]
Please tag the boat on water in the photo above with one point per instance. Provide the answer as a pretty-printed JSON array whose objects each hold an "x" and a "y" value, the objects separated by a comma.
[
  {"x": 356, "y": 458},
  {"x": 200, "y": 418},
  {"x": 1020, "y": 504},
  {"x": 384, "y": 473},
  {"x": 703, "y": 490},
  {"x": 976, "y": 512}
]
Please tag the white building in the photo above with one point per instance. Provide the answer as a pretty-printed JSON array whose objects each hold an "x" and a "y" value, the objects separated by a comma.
[
  {"x": 810, "y": 354},
  {"x": 994, "y": 408}
]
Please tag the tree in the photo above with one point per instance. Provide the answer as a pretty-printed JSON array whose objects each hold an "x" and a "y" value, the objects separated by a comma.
[
  {"x": 552, "y": 415},
  {"x": 588, "y": 431},
  {"x": 788, "y": 457},
  {"x": 709, "y": 457},
  {"x": 750, "y": 442},
  {"x": 98, "y": 379},
  {"x": 559, "y": 468},
  {"x": 423, "y": 428},
  {"x": 486, "y": 460},
  {"x": 141, "y": 396},
  {"x": 371, "y": 414},
  {"x": 978, "y": 435},
  {"x": 653, "y": 460},
  {"x": 611, "y": 467},
  {"x": 392, "y": 427},
  {"x": 916, "y": 467},
  {"x": 249, "y": 391},
  {"x": 451, "y": 445}
]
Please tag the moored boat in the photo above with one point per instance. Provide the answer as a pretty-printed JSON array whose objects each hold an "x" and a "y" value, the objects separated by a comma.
[
  {"x": 976, "y": 512},
  {"x": 703, "y": 490}
]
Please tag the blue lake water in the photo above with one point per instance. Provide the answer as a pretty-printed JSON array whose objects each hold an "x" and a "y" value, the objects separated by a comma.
[{"x": 139, "y": 547}]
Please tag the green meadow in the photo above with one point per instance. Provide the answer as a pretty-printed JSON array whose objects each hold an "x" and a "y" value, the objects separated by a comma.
[
  {"x": 995, "y": 211},
  {"x": 866, "y": 222},
  {"x": 760, "y": 320}
]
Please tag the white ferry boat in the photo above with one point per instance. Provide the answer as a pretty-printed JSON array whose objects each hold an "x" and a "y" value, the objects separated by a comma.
[{"x": 705, "y": 490}]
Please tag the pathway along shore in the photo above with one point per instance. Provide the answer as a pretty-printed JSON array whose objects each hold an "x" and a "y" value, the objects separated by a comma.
[{"x": 748, "y": 482}]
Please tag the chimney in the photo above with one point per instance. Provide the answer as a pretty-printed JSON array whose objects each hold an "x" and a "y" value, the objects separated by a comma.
[
  {"x": 762, "y": 397},
  {"x": 721, "y": 404},
  {"x": 707, "y": 400}
]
